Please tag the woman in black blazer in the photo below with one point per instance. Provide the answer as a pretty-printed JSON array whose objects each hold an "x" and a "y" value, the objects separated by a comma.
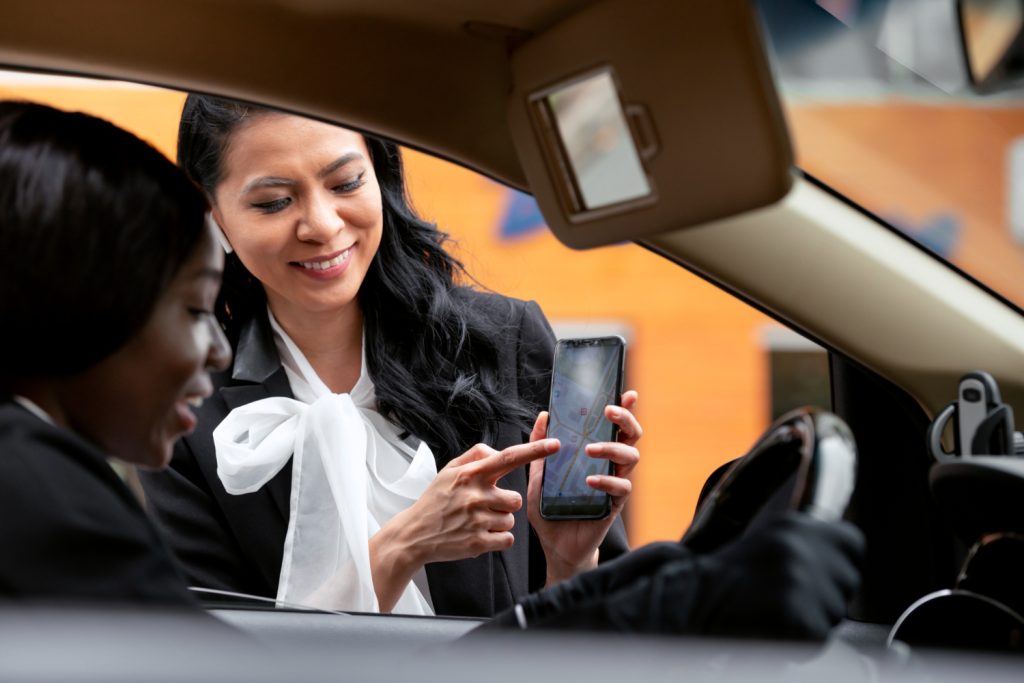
[
  {"x": 108, "y": 276},
  {"x": 335, "y": 287}
]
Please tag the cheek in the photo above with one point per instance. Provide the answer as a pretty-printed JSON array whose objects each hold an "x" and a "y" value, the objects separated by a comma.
[
  {"x": 175, "y": 357},
  {"x": 260, "y": 248},
  {"x": 187, "y": 357},
  {"x": 366, "y": 209},
  {"x": 371, "y": 220}
]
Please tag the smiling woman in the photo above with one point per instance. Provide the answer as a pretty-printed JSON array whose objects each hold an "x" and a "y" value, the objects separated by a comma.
[
  {"x": 95, "y": 362},
  {"x": 282, "y": 167},
  {"x": 336, "y": 464}
]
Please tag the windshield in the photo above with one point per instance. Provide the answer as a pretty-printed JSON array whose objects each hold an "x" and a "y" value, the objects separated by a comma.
[{"x": 876, "y": 97}]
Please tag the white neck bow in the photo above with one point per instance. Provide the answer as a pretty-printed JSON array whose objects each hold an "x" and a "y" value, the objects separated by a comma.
[{"x": 351, "y": 473}]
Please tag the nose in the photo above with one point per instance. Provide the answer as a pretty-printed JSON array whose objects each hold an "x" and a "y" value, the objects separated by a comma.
[
  {"x": 320, "y": 221},
  {"x": 218, "y": 355}
]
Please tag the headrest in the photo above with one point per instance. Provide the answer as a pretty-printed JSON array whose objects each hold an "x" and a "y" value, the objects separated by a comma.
[
  {"x": 979, "y": 485},
  {"x": 981, "y": 494}
]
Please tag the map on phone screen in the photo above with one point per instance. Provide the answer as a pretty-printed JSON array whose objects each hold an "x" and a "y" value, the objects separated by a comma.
[{"x": 584, "y": 381}]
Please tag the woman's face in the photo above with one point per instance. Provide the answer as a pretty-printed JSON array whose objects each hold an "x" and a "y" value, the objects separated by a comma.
[
  {"x": 300, "y": 204},
  {"x": 137, "y": 402}
]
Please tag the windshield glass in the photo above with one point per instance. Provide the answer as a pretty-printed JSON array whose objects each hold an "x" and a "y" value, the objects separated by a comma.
[{"x": 878, "y": 105}]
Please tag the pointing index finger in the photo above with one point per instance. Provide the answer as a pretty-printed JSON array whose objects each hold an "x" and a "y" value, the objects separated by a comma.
[{"x": 503, "y": 462}]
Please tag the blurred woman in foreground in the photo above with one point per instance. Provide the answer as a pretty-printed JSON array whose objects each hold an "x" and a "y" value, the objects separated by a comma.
[{"x": 108, "y": 277}]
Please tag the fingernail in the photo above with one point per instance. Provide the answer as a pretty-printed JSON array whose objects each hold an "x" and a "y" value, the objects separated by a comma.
[
  {"x": 594, "y": 448},
  {"x": 551, "y": 444},
  {"x": 615, "y": 411}
]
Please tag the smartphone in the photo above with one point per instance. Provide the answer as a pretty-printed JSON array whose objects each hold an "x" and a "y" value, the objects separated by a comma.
[{"x": 586, "y": 377}]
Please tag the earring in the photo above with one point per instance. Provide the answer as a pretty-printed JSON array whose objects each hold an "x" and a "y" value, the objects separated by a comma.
[{"x": 219, "y": 233}]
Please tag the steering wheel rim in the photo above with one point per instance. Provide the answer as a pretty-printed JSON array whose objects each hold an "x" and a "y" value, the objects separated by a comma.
[{"x": 806, "y": 461}]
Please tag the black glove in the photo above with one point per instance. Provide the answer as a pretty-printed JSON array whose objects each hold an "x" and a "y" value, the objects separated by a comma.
[{"x": 791, "y": 580}]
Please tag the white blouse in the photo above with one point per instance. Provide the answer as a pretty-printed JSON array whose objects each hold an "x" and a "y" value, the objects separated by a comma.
[{"x": 351, "y": 473}]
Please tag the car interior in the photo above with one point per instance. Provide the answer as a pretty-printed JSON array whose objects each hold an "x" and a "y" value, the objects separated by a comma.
[{"x": 714, "y": 175}]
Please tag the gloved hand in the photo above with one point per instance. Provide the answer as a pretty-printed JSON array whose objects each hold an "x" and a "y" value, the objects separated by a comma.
[{"x": 791, "y": 580}]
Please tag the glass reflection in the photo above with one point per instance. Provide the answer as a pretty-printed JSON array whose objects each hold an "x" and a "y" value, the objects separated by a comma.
[{"x": 598, "y": 143}]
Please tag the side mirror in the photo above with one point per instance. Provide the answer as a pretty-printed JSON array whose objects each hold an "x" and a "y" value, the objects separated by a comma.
[{"x": 992, "y": 33}]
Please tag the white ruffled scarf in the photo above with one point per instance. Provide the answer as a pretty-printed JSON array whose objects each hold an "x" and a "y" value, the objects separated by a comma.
[{"x": 351, "y": 473}]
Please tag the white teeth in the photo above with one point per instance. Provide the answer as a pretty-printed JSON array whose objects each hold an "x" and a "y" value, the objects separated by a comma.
[
  {"x": 324, "y": 265},
  {"x": 195, "y": 401}
]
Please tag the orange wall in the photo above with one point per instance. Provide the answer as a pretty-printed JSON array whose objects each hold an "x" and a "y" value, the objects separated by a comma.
[
  {"x": 149, "y": 113},
  {"x": 694, "y": 354}
]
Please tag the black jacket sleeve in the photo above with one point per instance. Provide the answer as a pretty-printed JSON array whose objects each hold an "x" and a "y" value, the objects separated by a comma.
[
  {"x": 72, "y": 530},
  {"x": 195, "y": 526},
  {"x": 790, "y": 580}
]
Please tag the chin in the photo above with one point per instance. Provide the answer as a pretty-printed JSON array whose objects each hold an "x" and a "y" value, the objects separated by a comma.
[
  {"x": 154, "y": 456},
  {"x": 160, "y": 459},
  {"x": 333, "y": 299}
]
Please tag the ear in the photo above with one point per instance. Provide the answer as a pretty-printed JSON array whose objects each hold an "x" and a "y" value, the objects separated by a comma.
[{"x": 219, "y": 233}]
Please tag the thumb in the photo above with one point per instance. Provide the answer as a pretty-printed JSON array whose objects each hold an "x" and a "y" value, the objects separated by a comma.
[
  {"x": 536, "y": 473},
  {"x": 540, "y": 426}
]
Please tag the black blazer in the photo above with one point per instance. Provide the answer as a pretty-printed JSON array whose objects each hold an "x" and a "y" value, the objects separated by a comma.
[
  {"x": 71, "y": 530},
  {"x": 236, "y": 543}
]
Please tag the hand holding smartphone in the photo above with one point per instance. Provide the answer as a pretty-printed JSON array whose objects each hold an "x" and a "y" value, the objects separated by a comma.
[{"x": 586, "y": 377}]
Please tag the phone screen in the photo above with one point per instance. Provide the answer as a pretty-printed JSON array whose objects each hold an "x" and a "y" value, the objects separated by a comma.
[{"x": 587, "y": 376}]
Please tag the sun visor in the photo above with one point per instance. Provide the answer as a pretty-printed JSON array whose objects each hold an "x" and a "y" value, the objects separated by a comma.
[{"x": 634, "y": 117}]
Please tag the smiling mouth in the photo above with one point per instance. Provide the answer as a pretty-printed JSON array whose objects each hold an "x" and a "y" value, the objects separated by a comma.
[{"x": 327, "y": 263}]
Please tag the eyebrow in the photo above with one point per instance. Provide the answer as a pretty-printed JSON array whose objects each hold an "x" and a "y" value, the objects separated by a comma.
[
  {"x": 338, "y": 163},
  {"x": 275, "y": 181},
  {"x": 266, "y": 181}
]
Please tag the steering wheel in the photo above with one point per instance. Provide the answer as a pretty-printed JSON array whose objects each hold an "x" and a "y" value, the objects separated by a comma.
[{"x": 806, "y": 461}]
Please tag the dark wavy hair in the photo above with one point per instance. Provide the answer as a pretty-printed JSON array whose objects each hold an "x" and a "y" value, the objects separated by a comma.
[
  {"x": 94, "y": 224},
  {"x": 432, "y": 357}
]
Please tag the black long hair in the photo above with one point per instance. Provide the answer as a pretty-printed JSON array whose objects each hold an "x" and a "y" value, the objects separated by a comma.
[
  {"x": 432, "y": 355},
  {"x": 94, "y": 224}
]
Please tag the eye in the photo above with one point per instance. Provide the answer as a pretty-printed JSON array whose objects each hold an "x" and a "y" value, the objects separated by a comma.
[
  {"x": 198, "y": 313},
  {"x": 350, "y": 186},
  {"x": 272, "y": 206}
]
